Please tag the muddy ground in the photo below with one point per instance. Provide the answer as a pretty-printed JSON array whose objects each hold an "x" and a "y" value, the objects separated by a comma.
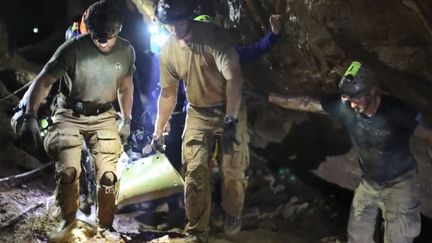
[{"x": 278, "y": 208}]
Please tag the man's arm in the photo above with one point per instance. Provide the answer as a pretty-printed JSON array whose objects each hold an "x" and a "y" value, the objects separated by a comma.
[
  {"x": 125, "y": 97},
  {"x": 423, "y": 130},
  {"x": 38, "y": 91},
  {"x": 253, "y": 52},
  {"x": 166, "y": 103},
  {"x": 233, "y": 75},
  {"x": 301, "y": 103}
]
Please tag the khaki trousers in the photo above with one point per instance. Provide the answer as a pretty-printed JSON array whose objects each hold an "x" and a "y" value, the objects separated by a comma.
[
  {"x": 64, "y": 143},
  {"x": 400, "y": 208},
  {"x": 204, "y": 128}
]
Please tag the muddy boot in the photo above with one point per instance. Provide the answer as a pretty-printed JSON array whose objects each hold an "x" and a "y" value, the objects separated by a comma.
[
  {"x": 62, "y": 232},
  {"x": 109, "y": 234},
  {"x": 105, "y": 206},
  {"x": 67, "y": 200},
  {"x": 232, "y": 225},
  {"x": 195, "y": 239}
]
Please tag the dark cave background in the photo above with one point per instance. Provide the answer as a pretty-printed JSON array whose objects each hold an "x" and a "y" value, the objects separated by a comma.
[{"x": 308, "y": 156}]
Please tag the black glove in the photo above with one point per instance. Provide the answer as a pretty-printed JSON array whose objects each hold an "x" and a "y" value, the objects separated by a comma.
[
  {"x": 30, "y": 134},
  {"x": 158, "y": 143},
  {"x": 229, "y": 134},
  {"x": 255, "y": 97}
]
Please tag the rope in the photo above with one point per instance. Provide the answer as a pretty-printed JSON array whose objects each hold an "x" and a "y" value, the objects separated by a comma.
[{"x": 15, "y": 92}]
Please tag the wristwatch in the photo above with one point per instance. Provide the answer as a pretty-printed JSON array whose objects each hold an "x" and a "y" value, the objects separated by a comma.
[{"x": 230, "y": 119}]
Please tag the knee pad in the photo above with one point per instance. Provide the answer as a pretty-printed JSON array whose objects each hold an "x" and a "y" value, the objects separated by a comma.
[
  {"x": 108, "y": 179},
  {"x": 68, "y": 176}
]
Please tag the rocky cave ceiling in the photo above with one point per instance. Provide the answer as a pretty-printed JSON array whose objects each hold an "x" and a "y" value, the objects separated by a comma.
[{"x": 320, "y": 38}]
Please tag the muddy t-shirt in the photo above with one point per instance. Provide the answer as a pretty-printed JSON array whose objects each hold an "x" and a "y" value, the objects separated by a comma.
[
  {"x": 382, "y": 140},
  {"x": 199, "y": 64},
  {"x": 87, "y": 74}
]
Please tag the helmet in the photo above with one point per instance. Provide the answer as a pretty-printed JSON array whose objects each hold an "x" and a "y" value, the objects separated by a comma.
[
  {"x": 357, "y": 80},
  {"x": 205, "y": 18},
  {"x": 103, "y": 20},
  {"x": 72, "y": 31},
  {"x": 169, "y": 11}
]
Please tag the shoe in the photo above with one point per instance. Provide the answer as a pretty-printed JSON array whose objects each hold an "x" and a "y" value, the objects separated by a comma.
[
  {"x": 232, "y": 225},
  {"x": 194, "y": 239},
  {"x": 109, "y": 234},
  {"x": 62, "y": 232}
]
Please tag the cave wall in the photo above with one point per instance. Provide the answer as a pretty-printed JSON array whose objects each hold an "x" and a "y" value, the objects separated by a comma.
[{"x": 320, "y": 38}]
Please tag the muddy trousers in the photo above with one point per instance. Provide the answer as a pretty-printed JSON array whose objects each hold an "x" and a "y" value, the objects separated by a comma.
[
  {"x": 203, "y": 129},
  {"x": 64, "y": 144},
  {"x": 400, "y": 208}
]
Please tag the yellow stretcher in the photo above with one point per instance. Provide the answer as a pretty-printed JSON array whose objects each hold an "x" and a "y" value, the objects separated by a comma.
[{"x": 147, "y": 179}]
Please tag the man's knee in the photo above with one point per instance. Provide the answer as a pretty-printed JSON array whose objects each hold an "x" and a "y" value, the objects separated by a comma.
[
  {"x": 235, "y": 188},
  {"x": 197, "y": 182},
  {"x": 405, "y": 224},
  {"x": 68, "y": 176},
  {"x": 108, "y": 179}
]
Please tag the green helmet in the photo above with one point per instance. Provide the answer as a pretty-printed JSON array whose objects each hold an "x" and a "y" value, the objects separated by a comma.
[
  {"x": 357, "y": 80},
  {"x": 205, "y": 18}
]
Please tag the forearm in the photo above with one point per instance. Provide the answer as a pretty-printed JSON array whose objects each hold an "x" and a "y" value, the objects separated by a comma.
[
  {"x": 125, "y": 98},
  {"x": 234, "y": 96},
  {"x": 37, "y": 92},
  {"x": 423, "y": 131},
  {"x": 301, "y": 103},
  {"x": 166, "y": 103}
]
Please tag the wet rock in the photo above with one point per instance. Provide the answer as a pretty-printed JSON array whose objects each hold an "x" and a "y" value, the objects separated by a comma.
[{"x": 293, "y": 208}]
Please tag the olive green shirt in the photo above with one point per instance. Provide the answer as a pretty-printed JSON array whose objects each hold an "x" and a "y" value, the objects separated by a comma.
[
  {"x": 87, "y": 74},
  {"x": 199, "y": 64}
]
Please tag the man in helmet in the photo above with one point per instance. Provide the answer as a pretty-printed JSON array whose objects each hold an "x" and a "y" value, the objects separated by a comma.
[
  {"x": 200, "y": 54},
  {"x": 95, "y": 69},
  {"x": 380, "y": 127}
]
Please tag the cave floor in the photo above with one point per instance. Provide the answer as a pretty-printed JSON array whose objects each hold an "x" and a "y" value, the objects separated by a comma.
[{"x": 26, "y": 215}]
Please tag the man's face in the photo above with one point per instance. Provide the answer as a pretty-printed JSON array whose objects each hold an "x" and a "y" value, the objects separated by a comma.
[
  {"x": 179, "y": 29},
  {"x": 104, "y": 45},
  {"x": 359, "y": 104}
]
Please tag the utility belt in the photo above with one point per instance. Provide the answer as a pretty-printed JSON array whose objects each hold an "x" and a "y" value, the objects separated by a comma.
[
  {"x": 86, "y": 108},
  {"x": 218, "y": 110}
]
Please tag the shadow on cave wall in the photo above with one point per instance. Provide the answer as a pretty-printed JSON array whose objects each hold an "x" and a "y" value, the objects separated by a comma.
[{"x": 305, "y": 147}]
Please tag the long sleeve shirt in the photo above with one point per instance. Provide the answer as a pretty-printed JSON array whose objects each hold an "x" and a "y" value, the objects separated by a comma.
[{"x": 253, "y": 52}]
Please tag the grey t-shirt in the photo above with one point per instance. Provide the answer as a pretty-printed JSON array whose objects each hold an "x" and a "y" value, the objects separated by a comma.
[{"x": 87, "y": 74}]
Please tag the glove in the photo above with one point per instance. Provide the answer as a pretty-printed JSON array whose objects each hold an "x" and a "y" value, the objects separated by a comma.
[
  {"x": 255, "y": 97},
  {"x": 124, "y": 130},
  {"x": 158, "y": 143},
  {"x": 229, "y": 134},
  {"x": 30, "y": 134}
]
